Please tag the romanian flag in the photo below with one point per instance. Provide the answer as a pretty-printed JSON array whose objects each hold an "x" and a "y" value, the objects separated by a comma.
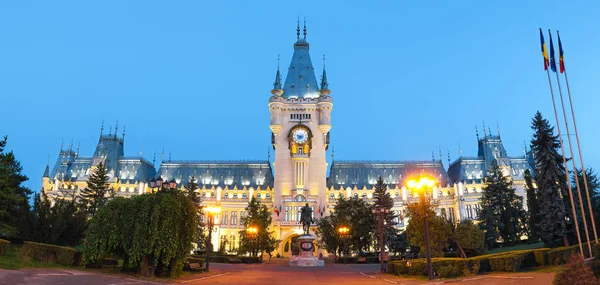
[
  {"x": 544, "y": 51},
  {"x": 560, "y": 54},
  {"x": 552, "y": 57}
]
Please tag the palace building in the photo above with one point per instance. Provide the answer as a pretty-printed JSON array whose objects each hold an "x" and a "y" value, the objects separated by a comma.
[{"x": 300, "y": 120}]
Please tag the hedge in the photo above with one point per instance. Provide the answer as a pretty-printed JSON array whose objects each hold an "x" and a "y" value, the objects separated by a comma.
[
  {"x": 452, "y": 267},
  {"x": 4, "y": 244},
  {"x": 229, "y": 258},
  {"x": 50, "y": 253}
]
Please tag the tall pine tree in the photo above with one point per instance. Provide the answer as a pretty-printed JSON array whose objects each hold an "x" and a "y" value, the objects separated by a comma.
[
  {"x": 502, "y": 213},
  {"x": 532, "y": 206},
  {"x": 383, "y": 199},
  {"x": 191, "y": 188},
  {"x": 14, "y": 197},
  {"x": 550, "y": 179},
  {"x": 98, "y": 191}
]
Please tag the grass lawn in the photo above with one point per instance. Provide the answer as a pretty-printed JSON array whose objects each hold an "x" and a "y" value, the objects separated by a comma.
[
  {"x": 12, "y": 261},
  {"x": 517, "y": 247}
]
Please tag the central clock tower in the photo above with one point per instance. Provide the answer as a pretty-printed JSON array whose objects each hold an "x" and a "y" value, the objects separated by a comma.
[{"x": 300, "y": 122}]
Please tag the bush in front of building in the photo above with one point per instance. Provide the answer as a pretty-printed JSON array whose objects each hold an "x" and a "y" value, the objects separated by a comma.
[
  {"x": 577, "y": 273},
  {"x": 50, "y": 253}
]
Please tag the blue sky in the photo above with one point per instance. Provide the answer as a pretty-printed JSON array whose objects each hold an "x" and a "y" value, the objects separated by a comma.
[{"x": 194, "y": 77}]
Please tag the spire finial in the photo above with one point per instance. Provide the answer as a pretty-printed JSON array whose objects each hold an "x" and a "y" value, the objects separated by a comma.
[
  {"x": 162, "y": 157},
  {"x": 432, "y": 155},
  {"x": 459, "y": 151},
  {"x": 489, "y": 131},
  {"x": 332, "y": 154},
  {"x": 277, "y": 84},
  {"x": 477, "y": 132},
  {"x": 440, "y": 152},
  {"x": 142, "y": 152},
  {"x": 484, "y": 134},
  {"x": 268, "y": 154},
  {"x": 61, "y": 144},
  {"x": 448, "y": 158},
  {"x": 305, "y": 28},
  {"x": 101, "y": 128},
  {"x": 169, "y": 155},
  {"x": 298, "y": 29},
  {"x": 71, "y": 147},
  {"x": 324, "y": 83},
  {"x": 123, "y": 137},
  {"x": 154, "y": 159},
  {"x": 77, "y": 151},
  {"x": 117, "y": 128},
  {"x": 498, "y": 127}
]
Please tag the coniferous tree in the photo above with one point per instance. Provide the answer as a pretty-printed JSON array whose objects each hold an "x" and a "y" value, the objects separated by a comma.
[
  {"x": 383, "y": 199},
  {"x": 259, "y": 216},
  {"x": 14, "y": 197},
  {"x": 502, "y": 213},
  {"x": 532, "y": 206},
  {"x": 550, "y": 179},
  {"x": 593, "y": 184},
  {"x": 98, "y": 191},
  {"x": 197, "y": 200}
]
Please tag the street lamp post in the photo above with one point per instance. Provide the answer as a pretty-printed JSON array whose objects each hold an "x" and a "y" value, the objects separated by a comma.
[
  {"x": 381, "y": 212},
  {"x": 158, "y": 183},
  {"x": 424, "y": 183},
  {"x": 343, "y": 231},
  {"x": 211, "y": 211},
  {"x": 252, "y": 233}
]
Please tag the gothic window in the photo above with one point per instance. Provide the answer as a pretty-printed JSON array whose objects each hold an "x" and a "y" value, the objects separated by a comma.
[
  {"x": 224, "y": 218},
  {"x": 212, "y": 194},
  {"x": 300, "y": 198},
  {"x": 397, "y": 194},
  {"x": 332, "y": 196},
  {"x": 356, "y": 195},
  {"x": 341, "y": 195},
  {"x": 364, "y": 195},
  {"x": 257, "y": 195},
  {"x": 268, "y": 196},
  {"x": 234, "y": 195},
  {"x": 226, "y": 195},
  {"x": 234, "y": 218},
  {"x": 244, "y": 195}
]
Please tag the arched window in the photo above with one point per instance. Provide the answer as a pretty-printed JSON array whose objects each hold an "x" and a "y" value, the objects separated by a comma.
[
  {"x": 234, "y": 195},
  {"x": 226, "y": 195},
  {"x": 364, "y": 195},
  {"x": 244, "y": 195},
  {"x": 342, "y": 195},
  {"x": 234, "y": 218},
  {"x": 332, "y": 196},
  {"x": 257, "y": 195},
  {"x": 397, "y": 194},
  {"x": 212, "y": 194},
  {"x": 356, "y": 195},
  {"x": 268, "y": 196},
  {"x": 300, "y": 198}
]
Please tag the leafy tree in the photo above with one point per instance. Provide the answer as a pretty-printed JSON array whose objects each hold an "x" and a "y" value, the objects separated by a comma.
[
  {"x": 259, "y": 216},
  {"x": 438, "y": 228},
  {"x": 14, "y": 197},
  {"x": 502, "y": 213},
  {"x": 62, "y": 223},
  {"x": 98, "y": 191},
  {"x": 353, "y": 213},
  {"x": 469, "y": 236},
  {"x": 550, "y": 179},
  {"x": 154, "y": 232},
  {"x": 383, "y": 199},
  {"x": 397, "y": 243},
  {"x": 532, "y": 206}
]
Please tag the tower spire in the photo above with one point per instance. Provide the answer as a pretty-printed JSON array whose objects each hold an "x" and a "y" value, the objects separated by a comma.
[
  {"x": 61, "y": 144},
  {"x": 298, "y": 29},
  {"x": 477, "y": 132},
  {"x": 305, "y": 28},
  {"x": 484, "y": 134},
  {"x": 277, "y": 84},
  {"x": 459, "y": 151},
  {"x": 77, "y": 151},
  {"x": 123, "y": 138},
  {"x": 116, "y": 128},
  {"x": 498, "y": 127},
  {"x": 101, "y": 129},
  {"x": 448, "y": 159},
  {"x": 154, "y": 159},
  {"x": 324, "y": 84}
]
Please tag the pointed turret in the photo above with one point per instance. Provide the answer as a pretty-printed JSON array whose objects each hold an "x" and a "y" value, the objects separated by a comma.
[
  {"x": 46, "y": 172},
  {"x": 324, "y": 84},
  {"x": 301, "y": 81},
  {"x": 277, "y": 91}
]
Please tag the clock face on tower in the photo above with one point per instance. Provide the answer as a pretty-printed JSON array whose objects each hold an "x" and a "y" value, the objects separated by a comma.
[{"x": 300, "y": 136}]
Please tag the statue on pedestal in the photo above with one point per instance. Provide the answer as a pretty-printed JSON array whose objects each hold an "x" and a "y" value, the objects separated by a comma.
[{"x": 306, "y": 218}]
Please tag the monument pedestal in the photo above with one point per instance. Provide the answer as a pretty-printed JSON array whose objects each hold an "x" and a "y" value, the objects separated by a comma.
[{"x": 306, "y": 257}]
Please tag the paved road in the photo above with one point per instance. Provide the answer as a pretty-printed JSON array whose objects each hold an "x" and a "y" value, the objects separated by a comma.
[{"x": 270, "y": 274}]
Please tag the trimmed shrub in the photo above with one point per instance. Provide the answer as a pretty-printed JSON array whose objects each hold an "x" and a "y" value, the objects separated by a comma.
[
  {"x": 541, "y": 256},
  {"x": 446, "y": 271},
  {"x": 511, "y": 262},
  {"x": 400, "y": 268},
  {"x": 4, "y": 244},
  {"x": 561, "y": 255},
  {"x": 50, "y": 253}
]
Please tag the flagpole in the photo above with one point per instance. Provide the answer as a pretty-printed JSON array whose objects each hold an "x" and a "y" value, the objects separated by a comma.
[
  {"x": 583, "y": 170},
  {"x": 565, "y": 166},
  {"x": 587, "y": 234}
]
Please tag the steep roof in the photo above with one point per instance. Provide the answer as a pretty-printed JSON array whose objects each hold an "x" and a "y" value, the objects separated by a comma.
[{"x": 301, "y": 81}]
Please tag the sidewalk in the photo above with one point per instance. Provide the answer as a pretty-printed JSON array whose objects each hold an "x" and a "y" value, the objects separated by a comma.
[{"x": 529, "y": 278}]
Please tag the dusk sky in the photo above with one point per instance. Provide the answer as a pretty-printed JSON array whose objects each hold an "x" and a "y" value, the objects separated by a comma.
[{"x": 195, "y": 77}]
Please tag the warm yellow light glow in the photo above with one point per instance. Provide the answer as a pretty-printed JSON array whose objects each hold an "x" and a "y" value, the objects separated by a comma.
[
  {"x": 213, "y": 210},
  {"x": 343, "y": 230},
  {"x": 252, "y": 230},
  {"x": 423, "y": 182}
]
